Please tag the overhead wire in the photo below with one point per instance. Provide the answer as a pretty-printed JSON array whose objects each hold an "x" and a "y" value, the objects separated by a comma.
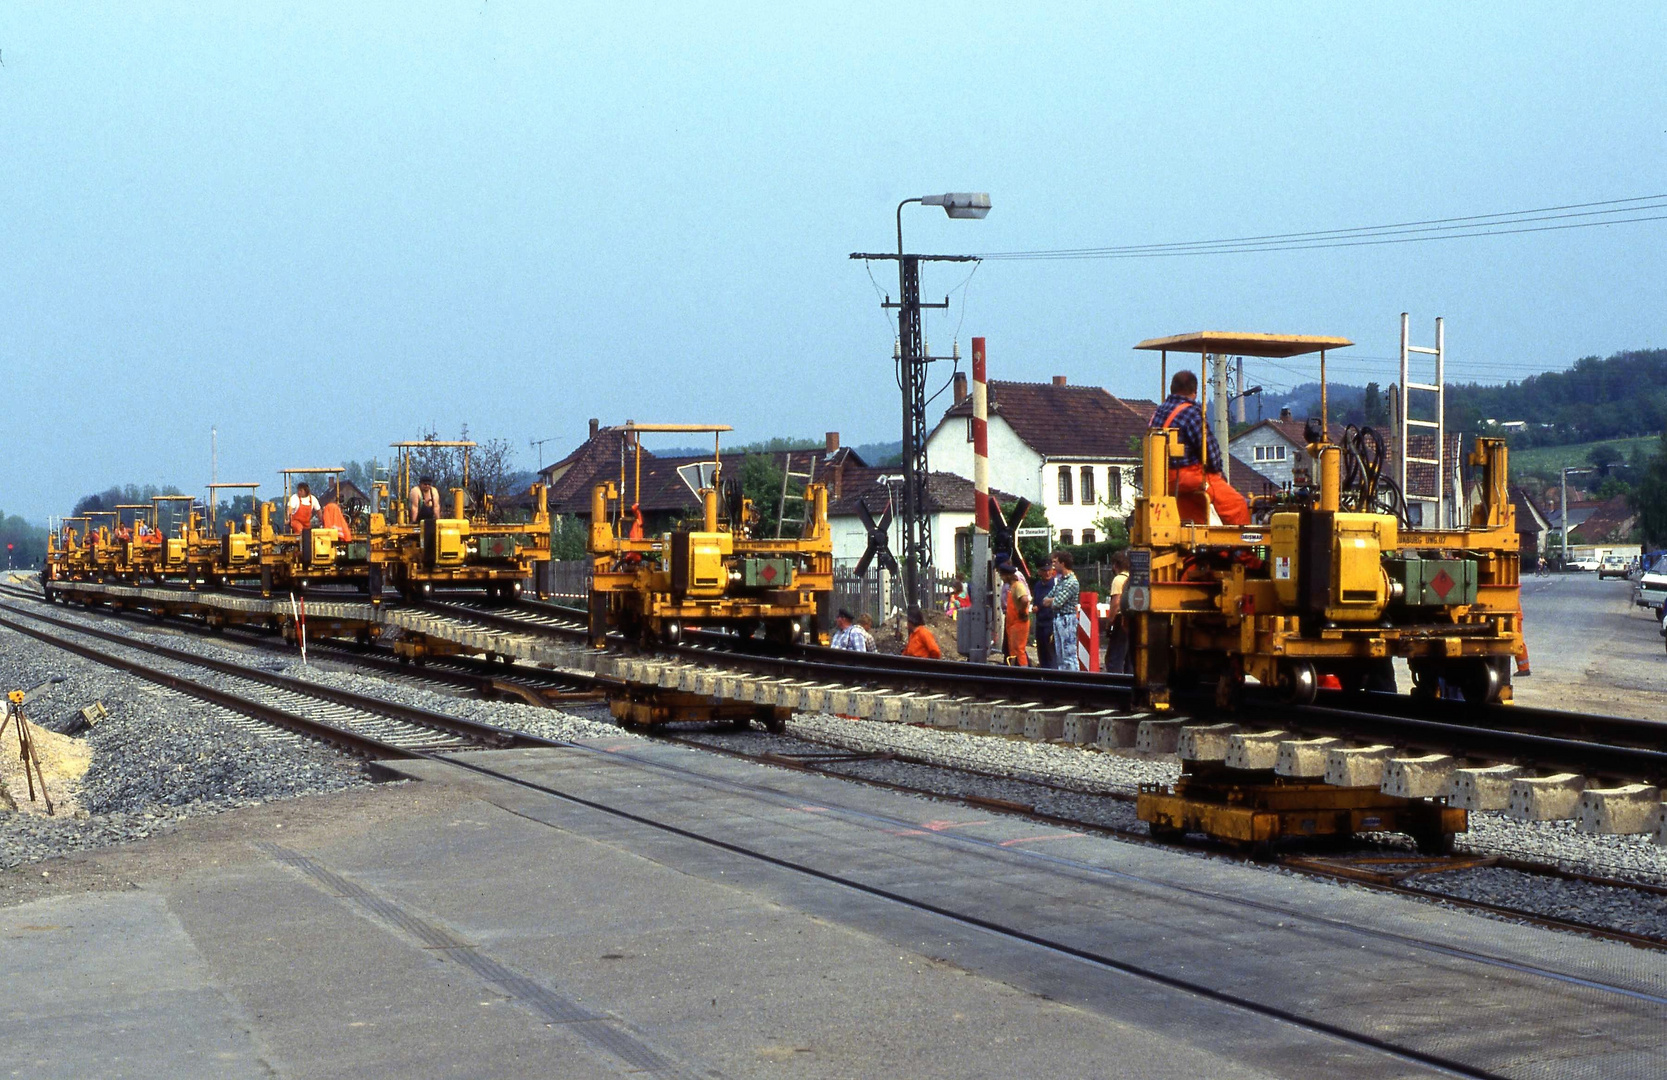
[{"x": 1474, "y": 225}]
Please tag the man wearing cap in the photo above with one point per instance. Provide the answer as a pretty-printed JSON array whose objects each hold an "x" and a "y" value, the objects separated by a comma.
[{"x": 847, "y": 635}]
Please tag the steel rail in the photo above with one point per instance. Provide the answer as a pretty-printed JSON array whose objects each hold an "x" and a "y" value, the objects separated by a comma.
[
  {"x": 1614, "y": 747},
  {"x": 1621, "y": 748},
  {"x": 487, "y": 735}
]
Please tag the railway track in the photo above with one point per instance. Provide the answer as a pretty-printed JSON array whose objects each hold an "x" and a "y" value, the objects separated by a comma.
[{"x": 360, "y": 723}]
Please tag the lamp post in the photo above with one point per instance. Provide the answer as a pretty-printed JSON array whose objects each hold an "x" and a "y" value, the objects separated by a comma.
[
  {"x": 911, "y": 363},
  {"x": 1565, "y": 485}
]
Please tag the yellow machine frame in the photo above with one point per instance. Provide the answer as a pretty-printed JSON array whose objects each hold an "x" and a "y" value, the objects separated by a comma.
[
  {"x": 1199, "y": 613},
  {"x": 291, "y": 560},
  {"x": 458, "y": 549},
  {"x": 229, "y": 554},
  {"x": 651, "y": 587}
]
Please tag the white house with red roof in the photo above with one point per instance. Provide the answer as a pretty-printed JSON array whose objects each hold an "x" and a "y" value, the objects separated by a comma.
[{"x": 1074, "y": 450}]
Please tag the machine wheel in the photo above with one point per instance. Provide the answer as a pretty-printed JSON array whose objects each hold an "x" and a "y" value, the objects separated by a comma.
[
  {"x": 774, "y": 724},
  {"x": 1229, "y": 690},
  {"x": 1164, "y": 834},
  {"x": 1298, "y": 684},
  {"x": 1481, "y": 682},
  {"x": 1426, "y": 684},
  {"x": 1433, "y": 843}
]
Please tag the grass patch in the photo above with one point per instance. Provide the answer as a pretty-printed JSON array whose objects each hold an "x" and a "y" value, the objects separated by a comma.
[{"x": 1548, "y": 459}]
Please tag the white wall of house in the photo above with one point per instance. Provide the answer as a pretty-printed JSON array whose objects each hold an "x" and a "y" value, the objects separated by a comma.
[
  {"x": 1269, "y": 453},
  {"x": 1019, "y": 470},
  {"x": 1014, "y": 466},
  {"x": 1078, "y": 517}
]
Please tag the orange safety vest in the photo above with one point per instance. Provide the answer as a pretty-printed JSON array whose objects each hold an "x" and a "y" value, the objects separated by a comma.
[
  {"x": 334, "y": 519},
  {"x": 302, "y": 518}
]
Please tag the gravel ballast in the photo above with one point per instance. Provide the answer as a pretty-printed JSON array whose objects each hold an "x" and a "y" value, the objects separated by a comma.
[{"x": 157, "y": 757}]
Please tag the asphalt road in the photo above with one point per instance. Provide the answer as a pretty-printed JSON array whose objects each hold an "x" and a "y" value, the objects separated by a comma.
[{"x": 1591, "y": 649}]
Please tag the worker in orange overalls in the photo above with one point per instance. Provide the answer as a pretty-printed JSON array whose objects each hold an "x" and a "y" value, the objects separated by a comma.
[
  {"x": 922, "y": 642},
  {"x": 1016, "y": 603},
  {"x": 302, "y": 506},
  {"x": 1200, "y": 469}
]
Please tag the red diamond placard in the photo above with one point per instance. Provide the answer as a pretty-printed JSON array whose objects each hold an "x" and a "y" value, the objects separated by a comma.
[
  {"x": 768, "y": 573},
  {"x": 1442, "y": 583}
]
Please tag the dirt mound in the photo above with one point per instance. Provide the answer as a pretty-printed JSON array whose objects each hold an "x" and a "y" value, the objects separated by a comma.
[{"x": 63, "y": 762}]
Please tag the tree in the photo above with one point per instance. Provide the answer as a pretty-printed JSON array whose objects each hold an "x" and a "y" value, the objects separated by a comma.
[
  {"x": 761, "y": 482},
  {"x": 1649, "y": 498},
  {"x": 118, "y": 495},
  {"x": 26, "y": 542},
  {"x": 1374, "y": 407},
  {"x": 568, "y": 537},
  {"x": 1603, "y": 457},
  {"x": 1034, "y": 550}
]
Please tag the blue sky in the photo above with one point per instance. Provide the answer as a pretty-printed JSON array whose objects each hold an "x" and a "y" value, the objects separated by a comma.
[{"x": 324, "y": 227}]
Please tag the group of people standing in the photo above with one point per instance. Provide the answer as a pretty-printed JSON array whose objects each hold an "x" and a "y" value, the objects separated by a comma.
[{"x": 1049, "y": 612}]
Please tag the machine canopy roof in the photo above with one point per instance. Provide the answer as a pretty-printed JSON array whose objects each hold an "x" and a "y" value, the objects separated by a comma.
[{"x": 1230, "y": 343}]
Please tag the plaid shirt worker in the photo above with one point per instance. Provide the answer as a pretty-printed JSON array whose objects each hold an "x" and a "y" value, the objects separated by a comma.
[{"x": 1190, "y": 423}]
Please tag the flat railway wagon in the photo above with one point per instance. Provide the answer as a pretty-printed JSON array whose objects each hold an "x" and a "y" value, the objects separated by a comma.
[
  {"x": 1329, "y": 583},
  {"x": 713, "y": 572}
]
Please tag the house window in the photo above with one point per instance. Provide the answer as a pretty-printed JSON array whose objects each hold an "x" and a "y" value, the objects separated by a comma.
[
  {"x": 1065, "y": 486},
  {"x": 1064, "y": 537},
  {"x": 1087, "y": 490},
  {"x": 1261, "y": 454},
  {"x": 1276, "y": 453},
  {"x": 969, "y": 429},
  {"x": 1114, "y": 486},
  {"x": 1415, "y": 514},
  {"x": 1088, "y": 536}
]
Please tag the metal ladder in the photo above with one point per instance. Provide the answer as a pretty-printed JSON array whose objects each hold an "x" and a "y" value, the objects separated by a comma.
[
  {"x": 1439, "y": 424},
  {"x": 787, "y": 477}
]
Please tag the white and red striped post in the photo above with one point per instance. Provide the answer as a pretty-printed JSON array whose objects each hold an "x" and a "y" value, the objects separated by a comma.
[
  {"x": 978, "y": 638},
  {"x": 980, "y": 441}
]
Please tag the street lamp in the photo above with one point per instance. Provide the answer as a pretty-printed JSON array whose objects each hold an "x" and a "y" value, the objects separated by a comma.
[
  {"x": 911, "y": 362},
  {"x": 1565, "y": 485}
]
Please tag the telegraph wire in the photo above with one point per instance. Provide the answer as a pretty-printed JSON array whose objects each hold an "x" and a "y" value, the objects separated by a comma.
[{"x": 1496, "y": 224}]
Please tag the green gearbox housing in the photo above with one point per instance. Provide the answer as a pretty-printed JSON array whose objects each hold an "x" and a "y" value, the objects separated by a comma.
[
  {"x": 497, "y": 547},
  {"x": 766, "y": 573},
  {"x": 1433, "y": 582}
]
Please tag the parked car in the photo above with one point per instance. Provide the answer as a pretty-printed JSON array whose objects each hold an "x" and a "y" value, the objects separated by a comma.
[
  {"x": 1614, "y": 566},
  {"x": 1651, "y": 588},
  {"x": 1581, "y": 564}
]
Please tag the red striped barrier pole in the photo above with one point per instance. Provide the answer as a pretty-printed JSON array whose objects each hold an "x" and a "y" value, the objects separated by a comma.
[
  {"x": 980, "y": 440},
  {"x": 1088, "y": 632}
]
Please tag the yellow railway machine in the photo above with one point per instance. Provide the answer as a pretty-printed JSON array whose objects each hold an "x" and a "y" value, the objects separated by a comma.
[
  {"x": 483, "y": 549},
  {"x": 1327, "y": 585},
  {"x": 711, "y": 572},
  {"x": 292, "y": 559}
]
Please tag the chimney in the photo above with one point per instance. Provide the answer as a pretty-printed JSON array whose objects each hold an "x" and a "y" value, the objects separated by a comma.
[
  {"x": 1285, "y": 416},
  {"x": 960, "y": 387},
  {"x": 1059, "y": 380},
  {"x": 594, "y": 427},
  {"x": 831, "y": 441}
]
